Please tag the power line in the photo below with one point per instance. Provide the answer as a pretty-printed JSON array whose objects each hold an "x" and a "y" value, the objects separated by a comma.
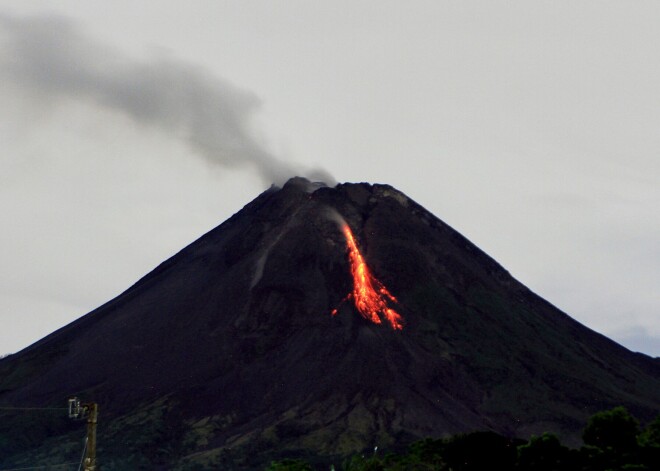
[
  {"x": 82, "y": 458},
  {"x": 49, "y": 466},
  {"x": 33, "y": 408},
  {"x": 76, "y": 410},
  {"x": 40, "y": 467},
  {"x": 54, "y": 465}
]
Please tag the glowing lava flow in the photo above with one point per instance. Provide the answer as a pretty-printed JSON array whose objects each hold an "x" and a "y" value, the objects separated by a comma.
[{"x": 369, "y": 295}]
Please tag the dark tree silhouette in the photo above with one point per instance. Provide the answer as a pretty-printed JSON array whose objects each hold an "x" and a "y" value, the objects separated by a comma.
[
  {"x": 290, "y": 465},
  {"x": 615, "y": 429},
  {"x": 481, "y": 450},
  {"x": 649, "y": 441},
  {"x": 610, "y": 439},
  {"x": 612, "y": 442},
  {"x": 650, "y": 436},
  {"x": 545, "y": 453}
]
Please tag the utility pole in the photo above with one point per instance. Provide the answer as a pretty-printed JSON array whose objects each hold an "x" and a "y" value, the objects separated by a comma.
[
  {"x": 91, "y": 411},
  {"x": 92, "y": 420}
]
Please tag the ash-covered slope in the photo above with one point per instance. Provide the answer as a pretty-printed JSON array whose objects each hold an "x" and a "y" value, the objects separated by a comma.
[{"x": 227, "y": 354}]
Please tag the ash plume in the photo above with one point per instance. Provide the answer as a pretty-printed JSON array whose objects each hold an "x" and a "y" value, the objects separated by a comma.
[{"x": 52, "y": 58}]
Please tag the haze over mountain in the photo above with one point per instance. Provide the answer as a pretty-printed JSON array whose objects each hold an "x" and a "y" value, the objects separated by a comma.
[{"x": 231, "y": 352}]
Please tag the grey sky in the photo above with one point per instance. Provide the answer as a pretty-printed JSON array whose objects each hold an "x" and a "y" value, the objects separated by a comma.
[{"x": 530, "y": 127}]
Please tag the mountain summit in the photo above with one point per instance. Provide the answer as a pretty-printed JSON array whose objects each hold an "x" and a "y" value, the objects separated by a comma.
[{"x": 321, "y": 320}]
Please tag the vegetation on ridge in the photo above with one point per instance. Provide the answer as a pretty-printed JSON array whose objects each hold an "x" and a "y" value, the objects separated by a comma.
[{"x": 612, "y": 441}]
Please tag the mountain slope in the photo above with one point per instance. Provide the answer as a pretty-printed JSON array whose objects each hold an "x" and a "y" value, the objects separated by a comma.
[{"x": 227, "y": 354}]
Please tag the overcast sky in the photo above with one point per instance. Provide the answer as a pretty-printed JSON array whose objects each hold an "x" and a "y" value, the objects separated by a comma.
[{"x": 129, "y": 129}]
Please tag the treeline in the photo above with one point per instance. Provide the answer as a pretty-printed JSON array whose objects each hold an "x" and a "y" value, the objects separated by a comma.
[{"x": 613, "y": 441}]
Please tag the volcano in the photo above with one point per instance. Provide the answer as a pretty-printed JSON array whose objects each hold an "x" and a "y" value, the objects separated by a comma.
[{"x": 317, "y": 321}]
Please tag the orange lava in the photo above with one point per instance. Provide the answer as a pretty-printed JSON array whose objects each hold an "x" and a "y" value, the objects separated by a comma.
[{"x": 370, "y": 296}]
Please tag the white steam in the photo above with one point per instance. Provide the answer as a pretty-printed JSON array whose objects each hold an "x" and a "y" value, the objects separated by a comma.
[
  {"x": 333, "y": 215},
  {"x": 52, "y": 58}
]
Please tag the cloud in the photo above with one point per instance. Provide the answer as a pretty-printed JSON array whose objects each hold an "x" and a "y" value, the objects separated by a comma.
[
  {"x": 52, "y": 59},
  {"x": 638, "y": 338}
]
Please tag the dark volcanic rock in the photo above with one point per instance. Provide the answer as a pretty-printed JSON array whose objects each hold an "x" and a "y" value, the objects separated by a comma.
[{"x": 227, "y": 354}]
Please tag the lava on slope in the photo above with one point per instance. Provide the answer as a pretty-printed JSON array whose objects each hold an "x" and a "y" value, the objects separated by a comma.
[{"x": 370, "y": 296}]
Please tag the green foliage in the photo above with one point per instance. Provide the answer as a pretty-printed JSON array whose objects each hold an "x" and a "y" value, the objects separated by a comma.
[
  {"x": 411, "y": 461},
  {"x": 494, "y": 452},
  {"x": 612, "y": 443},
  {"x": 650, "y": 436},
  {"x": 544, "y": 453},
  {"x": 612, "y": 440},
  {"x": 427, "y": 454},
  {"x": 360, "y": 463},
  {"x": 649, "y": 441},
  {"x": 615, "y": 429},
  {"x": 289, "y": 465}
]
